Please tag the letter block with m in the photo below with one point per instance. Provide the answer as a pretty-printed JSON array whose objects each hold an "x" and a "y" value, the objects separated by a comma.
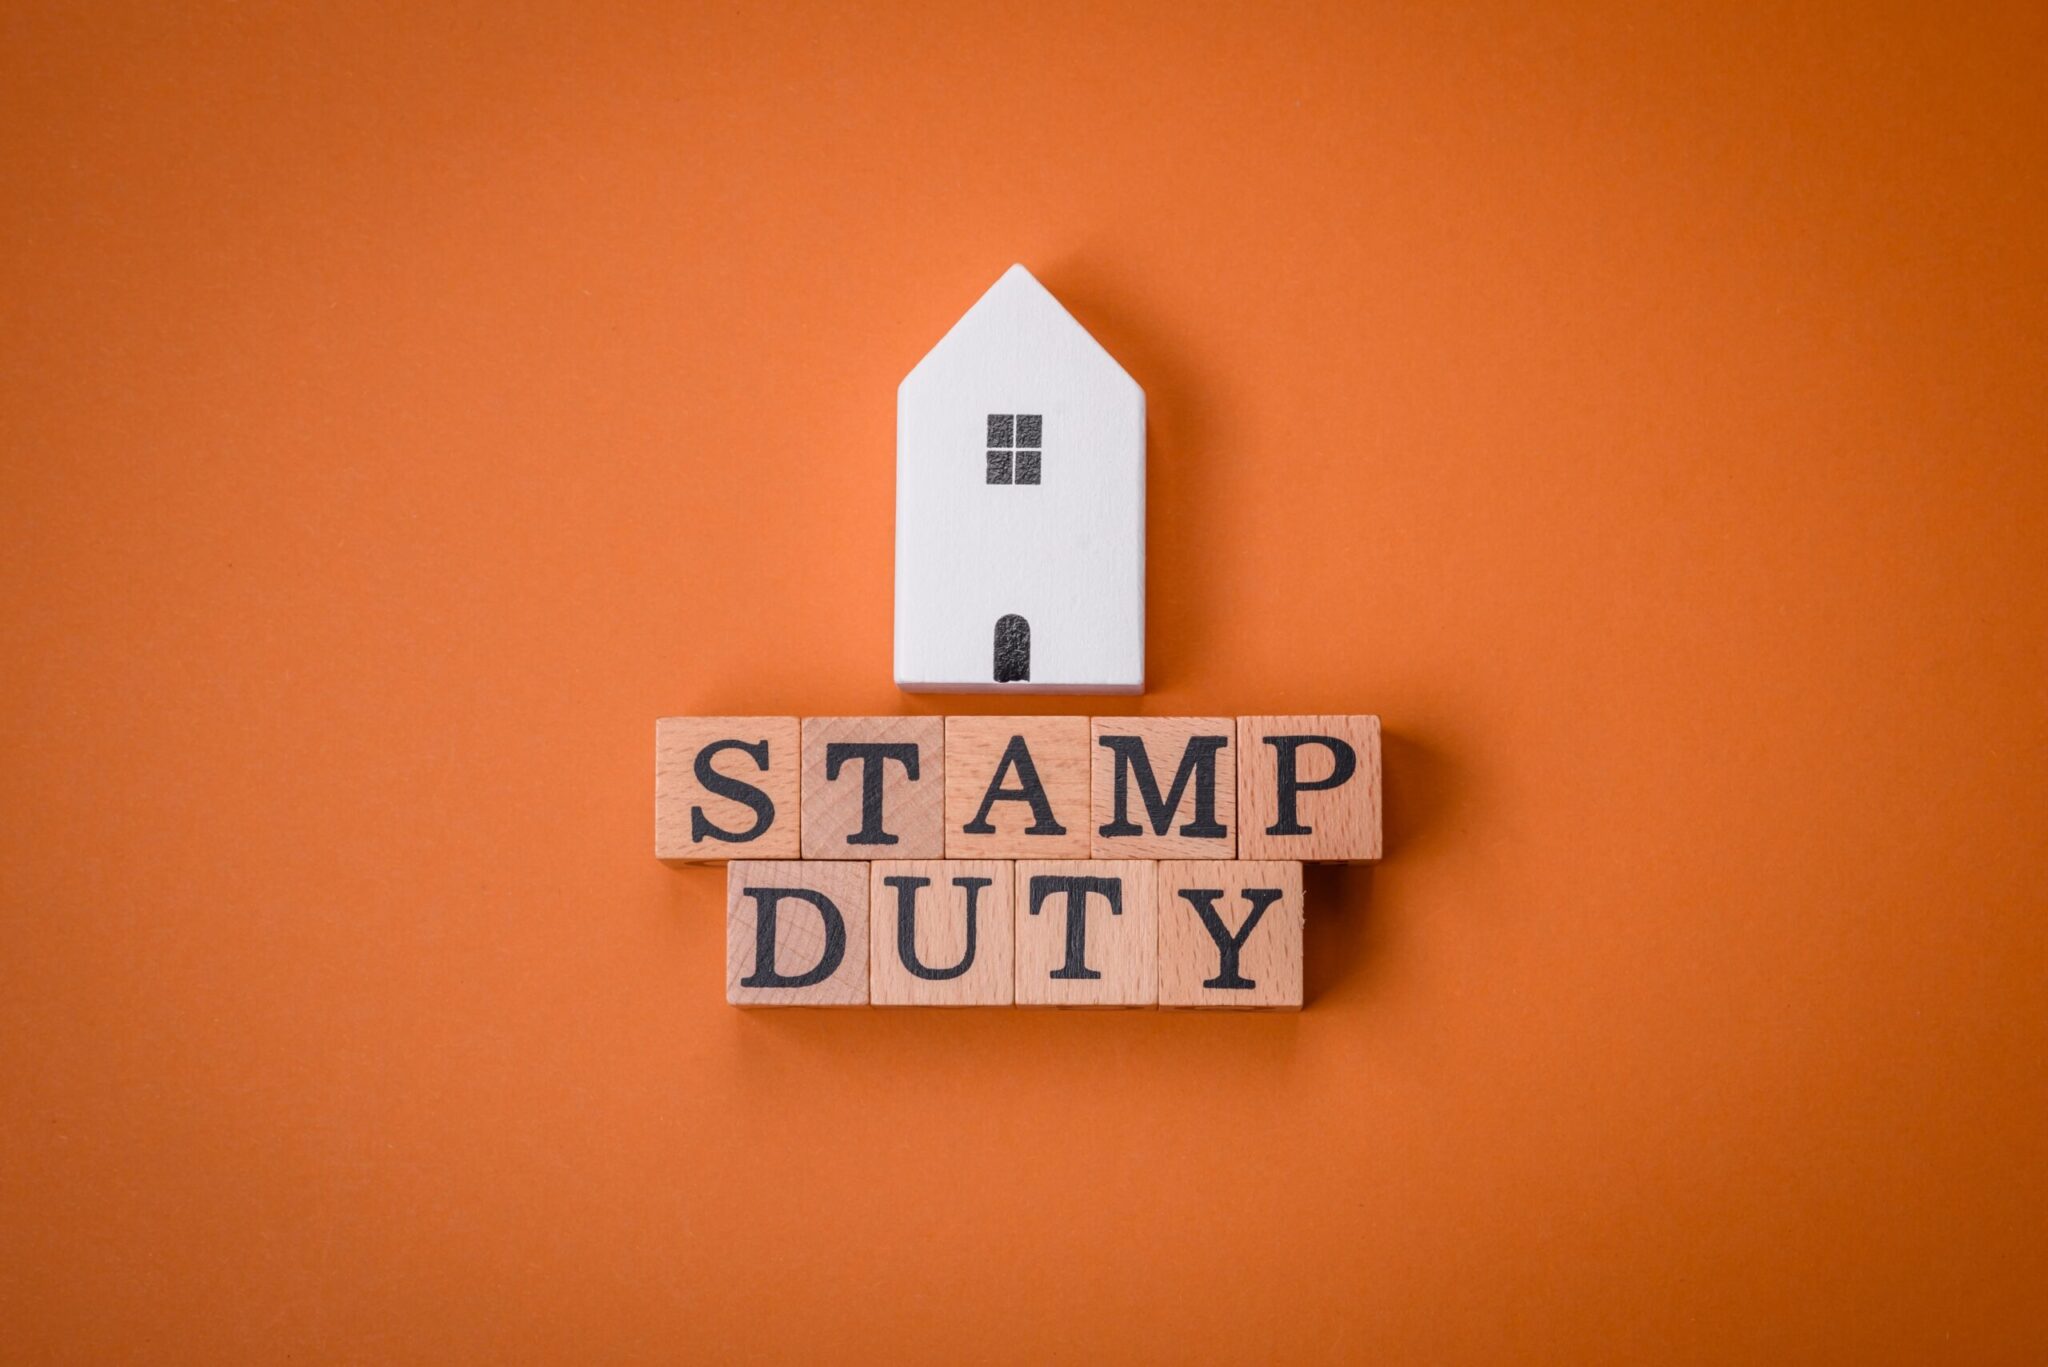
[{"x": 1164, "y": 788}]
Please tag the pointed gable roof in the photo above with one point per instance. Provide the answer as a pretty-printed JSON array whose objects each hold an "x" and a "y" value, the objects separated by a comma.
[{"x": 1017, "y": 322}]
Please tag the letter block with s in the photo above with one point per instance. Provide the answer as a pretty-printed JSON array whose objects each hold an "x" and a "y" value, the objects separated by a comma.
[{"x": 726, "y": 788}]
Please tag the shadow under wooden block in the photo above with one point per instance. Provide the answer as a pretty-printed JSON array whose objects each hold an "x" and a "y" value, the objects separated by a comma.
[
  {"x": 1230, "y": 934},
  {"x": 1308, "y": 788},
  {"x": 1163, "y": 788},
  {"x": 796, "y": 932},
  {"x": 1017, "y": 787},
  {"x": 725, "y": 788},
  {"x": 943, "y": 932},
  {"x": 874, "y": 786},
  {"x": 1087, "y": 932}
]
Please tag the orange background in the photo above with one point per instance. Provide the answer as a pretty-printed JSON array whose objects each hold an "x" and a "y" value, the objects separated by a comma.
[{"x": 1644, "y": 414}]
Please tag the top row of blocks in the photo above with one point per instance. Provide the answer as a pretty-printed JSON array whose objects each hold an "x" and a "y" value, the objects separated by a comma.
[{"x": 1059, "y": 787}]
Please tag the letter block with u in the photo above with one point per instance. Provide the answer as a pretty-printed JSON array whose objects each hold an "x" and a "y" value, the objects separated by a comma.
[{"x": 943, "y": 932}]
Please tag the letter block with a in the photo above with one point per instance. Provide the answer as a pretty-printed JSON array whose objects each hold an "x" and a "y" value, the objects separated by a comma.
[
  {"x": 943, "y": 932},
  {"x": 1016, "y": 787},
  {"x": 874, "y": 787},
  {"x": 796, "y": 932},
  {"x": 1164, "y": 788},
  {"x": 725, "y": 788},
  {"x": 1087, "y": 933},
  {"x": 1308, "y": 788},
  {"x": 1230, "y": 934}
]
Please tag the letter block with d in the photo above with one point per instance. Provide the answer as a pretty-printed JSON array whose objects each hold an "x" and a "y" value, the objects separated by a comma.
[
  {"x": 796, "y": 932},
  {"x": 944, "y": 932},
  {"x": 725, "y": 788},
  {"x": 1230, "y": 934},
  {"x": 1308, "y": 788}
]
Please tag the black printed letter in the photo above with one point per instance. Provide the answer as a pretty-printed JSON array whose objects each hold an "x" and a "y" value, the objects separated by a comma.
[
  {"x": 906, "y": 926},
  {"x": 1197, "y": 763},
  {"x": 766, "y": 900},
  {"x": 1077, "y": 889},
  {"x": 1017, "y": 755},
  {"x": 739, "y": 790},
  {"x": 1289, "y": 779},
  {"x": 871, "y": 756},
  {"x": 1229, "y": 946}
]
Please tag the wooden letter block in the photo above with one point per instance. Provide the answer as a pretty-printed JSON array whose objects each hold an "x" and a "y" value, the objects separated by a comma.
[
  {"x": 1308, "y": 788},
  {"x": 874, "y": 786},
  {"x": 1087, "y": 933},
  {"x": 796, "y": 933},
  {"x": 725, "y": 788},
  {"x": 1016, "y": 787},
  {"x": 944, "y": 931},
  {"x": 1164, "y": 788},
  {"x": 1230, "y": 934}
]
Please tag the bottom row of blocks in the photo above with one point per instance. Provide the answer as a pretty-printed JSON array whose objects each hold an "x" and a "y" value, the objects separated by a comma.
[{"x": 988, "y": 932}]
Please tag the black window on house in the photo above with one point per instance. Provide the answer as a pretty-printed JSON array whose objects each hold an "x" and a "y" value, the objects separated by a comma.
[{"x": 1014, "y": 446}]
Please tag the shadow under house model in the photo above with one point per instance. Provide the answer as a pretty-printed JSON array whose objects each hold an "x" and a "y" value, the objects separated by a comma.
[{"x": 1020, "y": 506}]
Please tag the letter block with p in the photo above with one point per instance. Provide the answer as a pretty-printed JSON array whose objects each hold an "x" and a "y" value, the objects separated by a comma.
[
  {"x": 796, "y": 932},
  {"x": 725, "y": 788},
  {"x": 1308, "y": 788}
]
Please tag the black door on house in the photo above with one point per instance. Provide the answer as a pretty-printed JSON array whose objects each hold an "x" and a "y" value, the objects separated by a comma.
[{"x": 1013, "y": 649}]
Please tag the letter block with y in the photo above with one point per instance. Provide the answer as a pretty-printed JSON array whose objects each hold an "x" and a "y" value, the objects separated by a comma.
[
  {"x": 1308, "y": 788},
  {"x": 943, "y": 932},
  {"x": 1087, "y": 933},
  {"x": 874, "y": 787},
  {"x": 725, "y": 788},
  {"x": 796, "y": 932},
  {"x": 1230, "y": 934},
  {"x": 1164, "y": 788},
  {"x": 1016, "y": 787}
]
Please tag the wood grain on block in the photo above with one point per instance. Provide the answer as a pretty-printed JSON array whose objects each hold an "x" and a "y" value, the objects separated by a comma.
[
  {"x": 1087, "y": 932},
  {"x": 1163, "y": 788},
  {"x": 1230, "y": 934},
  {"x": 943, "y": 932},
  {"x": 874, "y": 786},
  {"x": 1020, "y": 506},
  {"x": 796, "y": 932},
  {"x": 1308, "y": 788},
  {"x": 725, "y": 788},
  {"x": 1016, "y": 787}
]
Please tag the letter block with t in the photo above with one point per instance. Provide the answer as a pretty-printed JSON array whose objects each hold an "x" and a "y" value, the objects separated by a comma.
[
  {"x": 1087, "y": 933},
  {"x": 1308, "y": 788},
  {"x": 796, "y": 932},
  {"x": 1017, "y": 787},
  {"x": 1164, "y": 788},
  {"x": 943, "y": 932},
  {"x": 725, "y": 788},
  {"x": 1230, "y": 934},
  {"x": 874, "y": 787}
]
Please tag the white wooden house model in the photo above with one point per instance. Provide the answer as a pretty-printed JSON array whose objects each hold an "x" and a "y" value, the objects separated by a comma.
[{"x": 1020, "y": 506}]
